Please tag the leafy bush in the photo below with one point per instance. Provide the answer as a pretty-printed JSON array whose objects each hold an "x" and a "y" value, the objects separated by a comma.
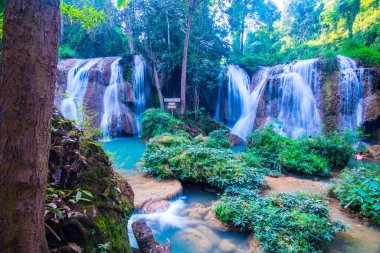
[
  {"x": 334, "y": 146},
  {"x": 282, "y": 222},
  {"x": 171, "y": 156},
  {"x": 358, "y": 190},
  {"x": 65, "y": 52},
  {"x": 370, "y": 56},
  {"x": 218, "y": 139},
  {"x": 298, "y": 158},
  {"x": 156, "y": 122},
  {"x": 275, "y": 153}
]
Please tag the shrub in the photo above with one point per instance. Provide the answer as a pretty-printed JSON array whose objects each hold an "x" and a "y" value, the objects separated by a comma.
[
  {"x": 299, "y": 159},
  {"x": 282, "y": 222},
  {"x": 334, "y": 146},
  {"x": 358, "y": 190},
  {"x": 156, "y": 122},
  {"x": 275, "y": 153},
  {"x": 218, "y": 139},
  {"x": 65, "y": 52},
  {"x": 171, "y": 156}
]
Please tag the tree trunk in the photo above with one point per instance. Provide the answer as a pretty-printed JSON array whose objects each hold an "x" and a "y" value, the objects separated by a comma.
[
  {"x": 184, "y": 60},
  {"x": 158, "y": 86},
  {"x": 242, "y": 34},
  {"x": 130, "y": 40},
  {"x": 27, "y": 76}
]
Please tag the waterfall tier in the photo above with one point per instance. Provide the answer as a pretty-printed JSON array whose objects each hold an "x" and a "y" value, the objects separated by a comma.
[
  {"x": 96, "y": 87},
  {"x": 293, "y": 97}
]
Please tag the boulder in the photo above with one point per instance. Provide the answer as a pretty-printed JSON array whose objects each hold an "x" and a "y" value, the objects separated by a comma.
[
  {"x": 191, "y": 238},
  {"x": 227, "y": 246},
  {"x": 145, "y": 239},
  {"x": 235, "y": 140}
]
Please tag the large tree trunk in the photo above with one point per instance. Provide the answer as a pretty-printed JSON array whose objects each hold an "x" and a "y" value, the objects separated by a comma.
[
  {"x": 192, "y": 6},
  {"x": 158, "y": 86},
  {"x": 27, "y": 77}
]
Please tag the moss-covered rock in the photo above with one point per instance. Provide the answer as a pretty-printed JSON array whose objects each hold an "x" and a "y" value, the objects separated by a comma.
[{"x": 88, "y": 204}]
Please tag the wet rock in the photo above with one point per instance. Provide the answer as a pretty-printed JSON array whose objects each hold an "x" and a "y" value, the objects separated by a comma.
[
  {"x": 198, "y": 211},
  {"x": 373, "y": 152},
  {"x": 214, "y": 222},
  {"x": 211, "y": 235},
  {"x": 156, "y": 206},
  {"x": 145, "y": 239},
  {"x": 147, "y": 189},
  {"x": 227, "y": 246},
  {"x": 235, "y": 140},
  {"x": 254, "y": 246},
  {"x": 191, "y": 238}
]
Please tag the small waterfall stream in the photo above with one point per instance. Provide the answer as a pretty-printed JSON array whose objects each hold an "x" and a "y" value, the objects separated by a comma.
[
  {"x": 112, "y": 114},
  {"x": 351, "y": 94},
  {"x": 77, "y": 80},
  {"x": 244, "y": 126},
  {"x": 141, "y": 89}
]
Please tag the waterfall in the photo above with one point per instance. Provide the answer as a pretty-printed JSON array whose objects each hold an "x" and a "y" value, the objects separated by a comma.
[
  {"x": 77, "y": 80},
  {"x": 141, "y": 89},
  {"x": 244, "y": 126},
  {"x": 351, "y": 94},
  {"x": 237, "y": 94},
  {"x": 112, "y": 113},
  {"x": 289, "y": 93},
  {"x": 292, "y": 99}
]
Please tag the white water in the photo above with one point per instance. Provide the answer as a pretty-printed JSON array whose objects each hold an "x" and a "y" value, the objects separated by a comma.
[
  {"x": 140, "y": 89},
  {"x": 351, "y": 94},
  {"x": 112, "y": 114},
  {"x": 237, "y": 94},
  {"x": 244, "y": 126},
  {"x": 290, "y": 95},
  {"x": 295, "y": 96},
  {"x": 77, "y": 80}
]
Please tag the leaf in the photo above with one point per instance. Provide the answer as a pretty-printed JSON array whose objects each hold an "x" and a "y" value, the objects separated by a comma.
[
  {"x": 88, "y": 193},
  {"x": 78, "y": 196}
]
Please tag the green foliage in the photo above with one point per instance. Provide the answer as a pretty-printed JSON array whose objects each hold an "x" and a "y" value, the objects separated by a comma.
[
  {"x": 156, "y": 121},
  {"x": 358, "y": 190},
  {"x": 65, "y": 52},
  {"x": 282, "y": 222},
  {"x": 353, "y": 49},
  {"x": 1, "y": 25},
  {"x": 173, "y": 156},
  {"x": 218, "y": 139},
  {"x": 88, "y": 17},
  {"x": 274, "y": 153}
]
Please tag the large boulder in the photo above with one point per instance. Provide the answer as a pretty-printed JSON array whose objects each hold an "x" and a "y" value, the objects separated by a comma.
[
  {"x": 145, "y": 239},
  {"x": 88, "y": 204}
]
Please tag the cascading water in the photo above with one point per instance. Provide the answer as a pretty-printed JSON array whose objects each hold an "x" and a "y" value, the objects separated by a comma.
[
  {"x": 244, "y": 126},
  {"x": 237, "y": 92},
  {"x": 77, "y": 80},
  {"x": 290, "y": 95},
  {"x": 294, "y": 93},
  {"x": 112, "y": 113},
  {"x": 141, "y": 89},
  {"x": 351, "y": 94}
]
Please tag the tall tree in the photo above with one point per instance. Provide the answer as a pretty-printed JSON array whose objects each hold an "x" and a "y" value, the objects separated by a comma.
[
  {"x": 27, "y": 77},
  {"x": 192, "y": 6}
]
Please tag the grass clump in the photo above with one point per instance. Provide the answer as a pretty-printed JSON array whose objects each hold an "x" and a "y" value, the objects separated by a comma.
[
  {"x": 281, "y": 222},
  {"x": 358, "y": 190},
  {"x": 318, "y": 156}
]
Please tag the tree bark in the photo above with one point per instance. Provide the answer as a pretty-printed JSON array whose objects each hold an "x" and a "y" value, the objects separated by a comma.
[
  {"x": 192, "y": 6},
  {"x": 27, "y": 76},
  {"x": 158, "y": 86}
]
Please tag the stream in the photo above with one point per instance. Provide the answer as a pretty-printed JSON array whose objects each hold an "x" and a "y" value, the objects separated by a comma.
[{"x": 189, "y": 227}]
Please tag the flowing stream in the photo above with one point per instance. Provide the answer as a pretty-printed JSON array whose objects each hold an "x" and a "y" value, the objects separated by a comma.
[{"x": 189, "y": 231}]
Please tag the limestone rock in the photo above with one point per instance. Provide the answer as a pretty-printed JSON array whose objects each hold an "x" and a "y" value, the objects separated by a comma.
[
  {"x": 227, "y": 246},
  {"x": 193, "y": 239},
  {"x": 145, "y": 239}
]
